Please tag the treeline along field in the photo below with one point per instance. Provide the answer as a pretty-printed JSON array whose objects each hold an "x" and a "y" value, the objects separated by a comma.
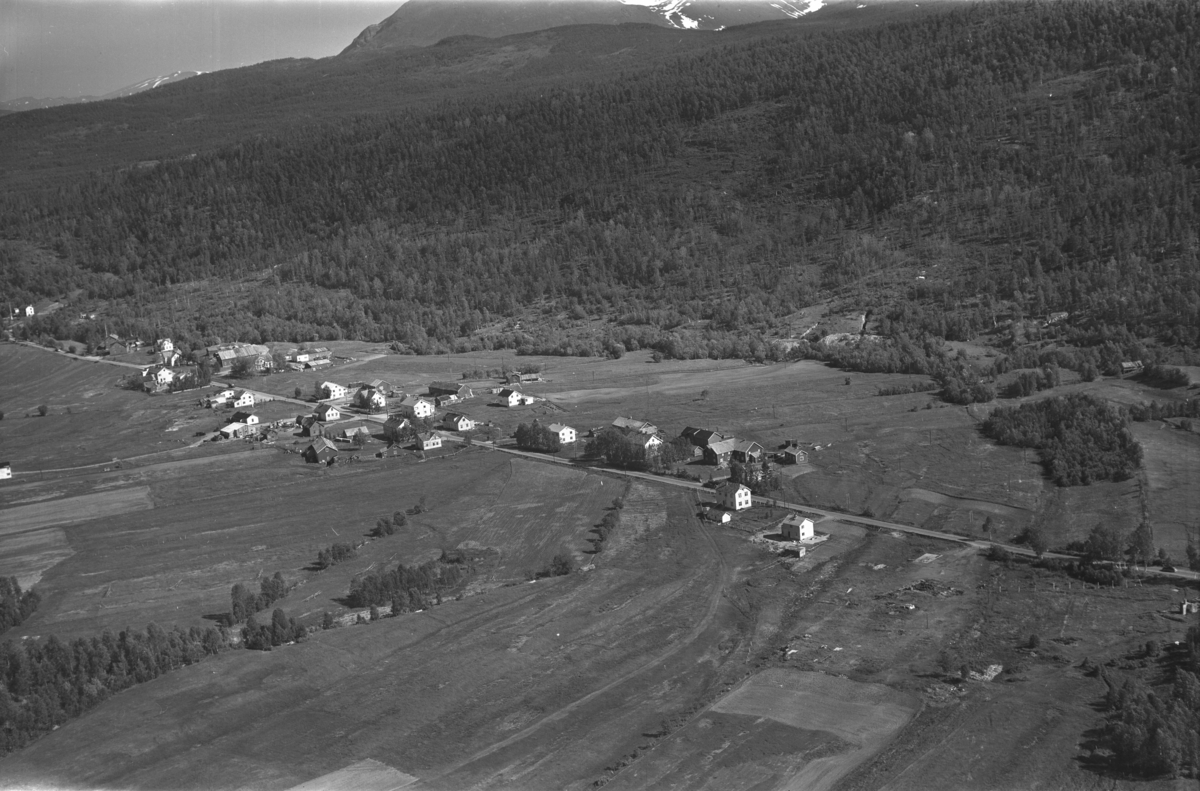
[{"x": 1051, "y": 146}]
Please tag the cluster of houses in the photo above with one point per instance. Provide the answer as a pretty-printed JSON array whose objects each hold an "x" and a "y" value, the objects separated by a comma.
[
  {"x": 222, "y": 356},
  {"x": 309, "y": 359},
  {"x": 238, "y": 399},
  {"x": 719, "y": 449}
]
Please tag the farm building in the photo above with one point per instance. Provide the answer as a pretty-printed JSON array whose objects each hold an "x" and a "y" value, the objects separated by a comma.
[
  {"x": 242, "y": 398},
  {"x": 746, "y": 451},
  {"x": 369, "y": 397},
  {"x": 311, "y": 427},
  {"x": 332, "y": 390},
  {"x": 720, "y": 517},
  {"x": 224, "y": 355},
  {"x": 396, "y": 427},
  {"x": 566, "y": 434},
  {"x": 249, "y": 418},
  {"x": 427, "y": 441},
  {"x": 416, "y": 407},
  {"x": 796, "y": 528},
  {"x": 234, "y": 430},
  {"x": 5, "y": 470},
  {"x": 793, "y": 454},
  {"x": 328, "y": 412},
  {"x": 515, "y": 378},
  {"x": 734, "y": 496},
  {"x": 719, "y": 453},
  {"x": 454, "y": 421},
  {"x": 455, "y": 389},
  {"x": 320, "y": 452},
  {"x": 701, "y": 437},
  {"x": 638, "y": 426},
  {"x": 351, "y": 430}
]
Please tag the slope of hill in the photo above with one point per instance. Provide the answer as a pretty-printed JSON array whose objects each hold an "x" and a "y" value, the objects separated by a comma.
[{"x": 1021, "y": 155}]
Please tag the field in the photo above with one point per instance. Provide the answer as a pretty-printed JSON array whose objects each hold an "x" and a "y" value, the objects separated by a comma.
[{"x": 681, "y": 655}]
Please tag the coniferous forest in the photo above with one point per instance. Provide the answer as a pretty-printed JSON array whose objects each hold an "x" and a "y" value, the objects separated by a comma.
[{"x": 1027, "y": 157}]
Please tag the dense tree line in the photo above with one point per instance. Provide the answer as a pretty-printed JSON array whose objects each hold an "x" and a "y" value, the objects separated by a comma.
[
  {"x": 409, "y": 588},
  {"x": 1080, "y": 438},
  {"x": 332, "y": 555},
  {"x": 1158, "y": 410},
  {"x": 280, "y": 631},
  {"x": 15, "y": 605},
  {"x": 1050, "y": 145},
  {"x": 1155, "y": 731},
  {"x": 617, "y": 450},
  {"x": 244, "y": 602},
  {"x": 47, "y": 682},
  {"x": 535, "y": 436}
]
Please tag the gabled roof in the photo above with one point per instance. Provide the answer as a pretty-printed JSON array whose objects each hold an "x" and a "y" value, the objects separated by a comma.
[
  {"x": 746, "y": 445},
  {"x": 730, "y": 486},
  {"x": 641, "y": 426},
  {"x": 558, "y": 427},
  {"x": 454, "y": 387},
  {"x": 702, "y": 436},
  {"x": 425, "y": 436},
  {"x": 413, "y": 400},
  {"x": 235, "y": 426},
  {"x": 325, "y": 409},
  {"x": 332, "y": 385},
  {"x": 396, "y": 420},
  {"x": 321, "y": 444},
  {"x": 242, "y": 416},
  {"x": 724, "y": 446},
  {"x": 508, "y": 391},
  {"x": 792, "y": 448}
]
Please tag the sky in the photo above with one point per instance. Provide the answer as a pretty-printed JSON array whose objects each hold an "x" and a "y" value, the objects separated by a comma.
[{"x": 69, "y": 48}]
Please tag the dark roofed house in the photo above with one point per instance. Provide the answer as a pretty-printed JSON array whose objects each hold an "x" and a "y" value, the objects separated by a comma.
[
  {"x": 701, "y": 437},
  {"x": 327, "y": 412},
  {"x": 793, "y": 454},
  {"x": 747, "y": 451},
  {"x": 720, "y": 453},
  {"x": 396, "y": 427},
  {"x": 322, "y": 451},
  {"x": 456, "y": 389}
]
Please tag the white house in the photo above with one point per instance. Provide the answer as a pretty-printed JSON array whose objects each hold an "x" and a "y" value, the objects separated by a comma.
[
  {"x": 734, "y": 496},
  {"x": 333, "y": 390},
  {"x": 164, "y": 345},
  {"x": 216, "y": 399},
  {"x": 416, "y": 407},
  {"x": 328, "y": 412},
  {"x": 29, "y": 310},
  {"x": 512, "y": 397},
  {"x": 566, "y": 434},
  {"x": 5, "y": 470},
  {"x": 453, "y": 421},
  {"x": 243, "y": 398},
  {"x": 428, "y": 441},
  {"x": 249, "y": 418},
  {"x": 161, "y": 374},
  {"x": 371, "y": 398},
  {"x": 796, "y": 528}
]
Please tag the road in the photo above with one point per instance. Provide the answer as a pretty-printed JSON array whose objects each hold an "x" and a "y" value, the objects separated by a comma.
[{"x": 823, "y": 513}]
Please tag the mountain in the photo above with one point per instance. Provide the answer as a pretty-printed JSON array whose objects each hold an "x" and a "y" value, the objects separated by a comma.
[
  {"x": 420, "y": 23},
  {"x": 31, "y": 103}
]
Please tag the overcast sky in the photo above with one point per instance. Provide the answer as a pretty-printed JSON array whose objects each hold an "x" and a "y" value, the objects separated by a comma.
[{"x": 52, "y": 48}]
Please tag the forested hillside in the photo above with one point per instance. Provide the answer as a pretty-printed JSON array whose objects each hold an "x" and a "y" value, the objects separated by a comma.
[{"x": 1027, "y": 158}]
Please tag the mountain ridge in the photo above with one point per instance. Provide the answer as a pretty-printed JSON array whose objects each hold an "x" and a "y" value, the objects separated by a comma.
[
  {"x": 422, "y": 23},
  {"x": 24, "y": 103}
]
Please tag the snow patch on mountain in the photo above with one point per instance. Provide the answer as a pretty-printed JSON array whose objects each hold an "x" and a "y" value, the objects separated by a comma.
[{"x": 682, "y": 13}]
